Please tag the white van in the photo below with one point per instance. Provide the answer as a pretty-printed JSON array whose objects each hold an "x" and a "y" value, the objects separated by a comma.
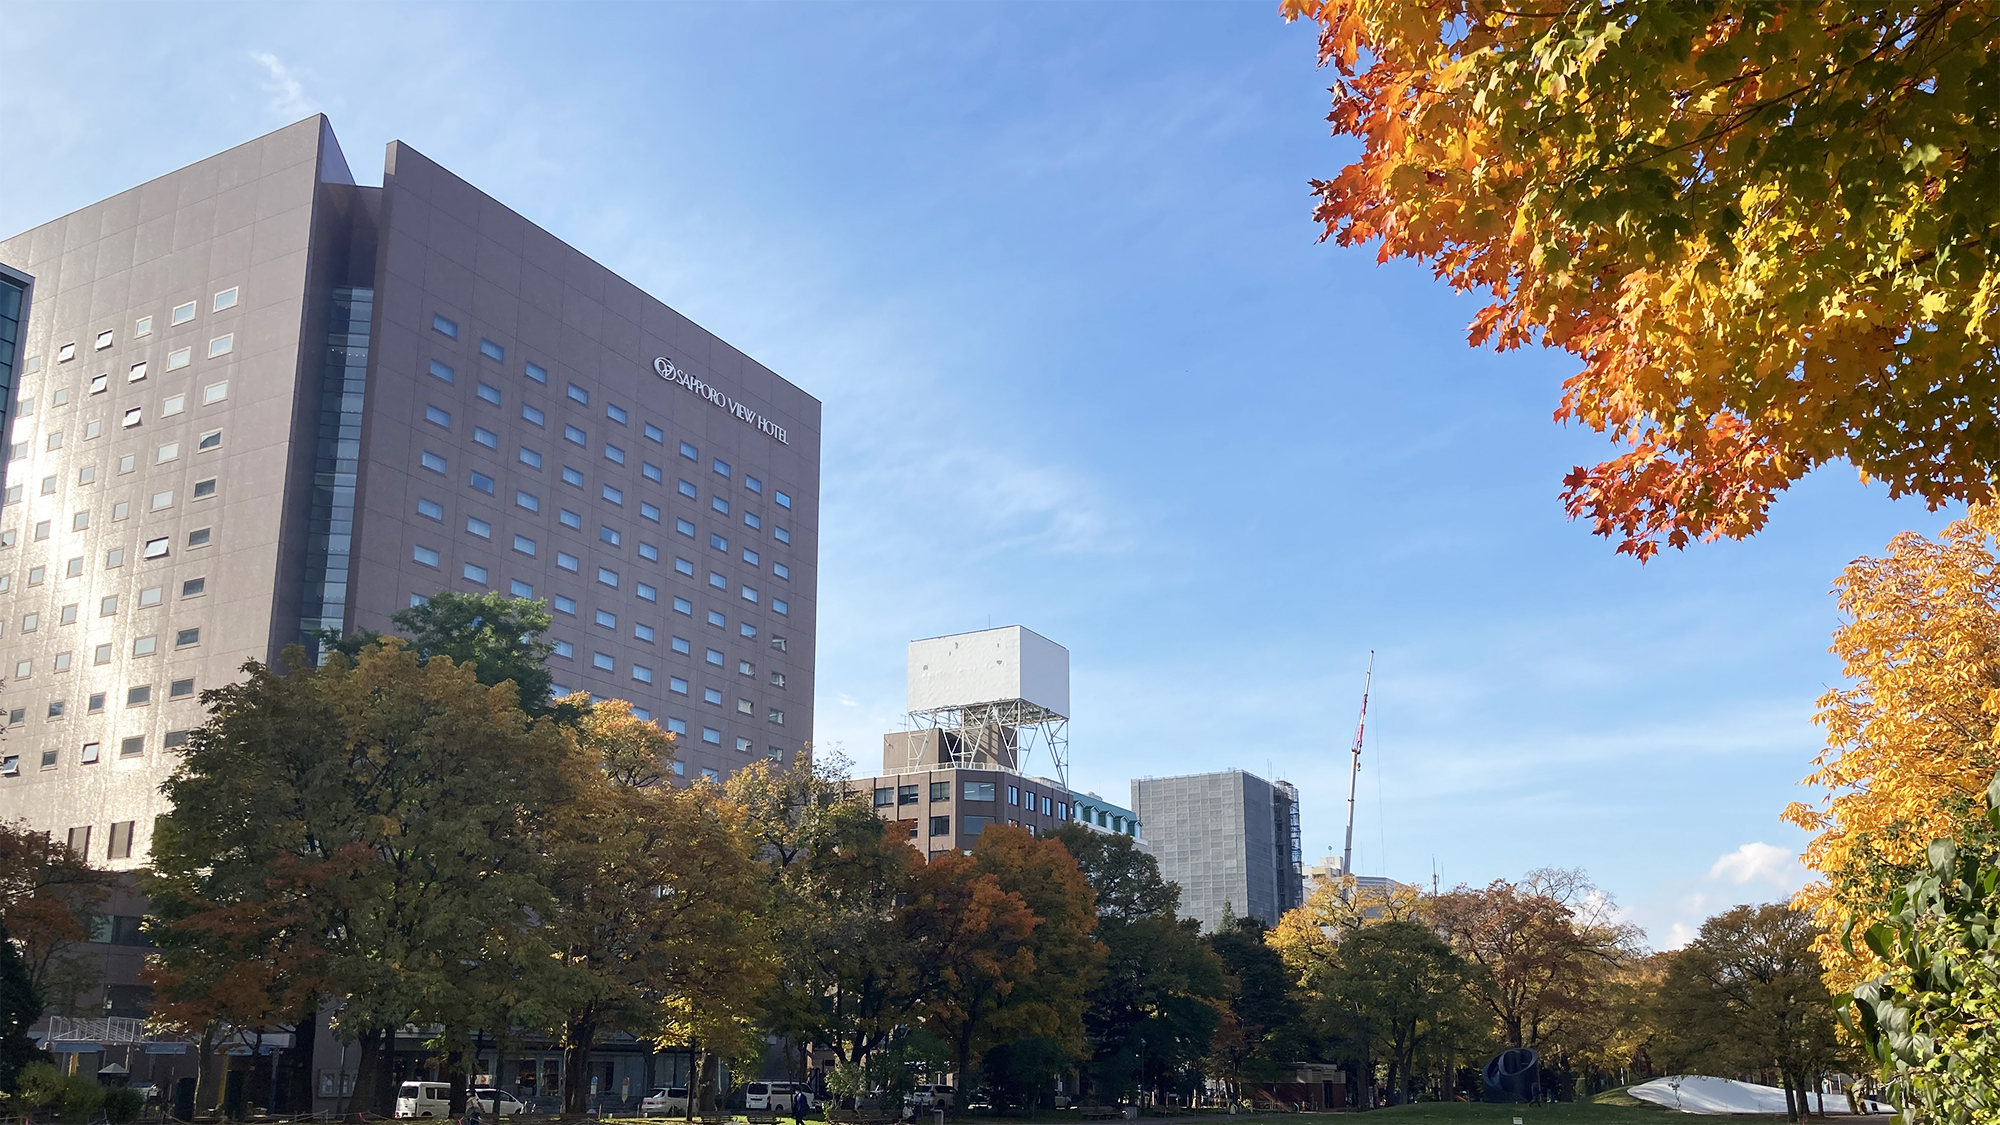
[
  {"x": 424, "y": 1099},
  {"x": 774, "y": 1097}
]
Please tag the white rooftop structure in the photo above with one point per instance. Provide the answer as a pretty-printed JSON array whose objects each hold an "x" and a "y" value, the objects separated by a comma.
[{"x": 989, "y": 666}]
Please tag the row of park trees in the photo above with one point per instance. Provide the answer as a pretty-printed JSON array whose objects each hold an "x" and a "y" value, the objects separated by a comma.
[{"x": 404, "y": 835}]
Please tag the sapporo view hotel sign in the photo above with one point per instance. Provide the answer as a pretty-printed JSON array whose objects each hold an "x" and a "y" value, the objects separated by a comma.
[{"x": 681, "y": 375}]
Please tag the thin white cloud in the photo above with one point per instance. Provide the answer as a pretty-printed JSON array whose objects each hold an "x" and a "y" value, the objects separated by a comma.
[
  {"x": 1679, "y": 935},
  {"x": 1759, "y": 862},
  {"x": 288, "y": 92}
]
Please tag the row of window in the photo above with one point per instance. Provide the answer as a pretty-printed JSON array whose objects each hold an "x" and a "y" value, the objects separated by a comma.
[
  {"x": 26, "y": 404},
  {"x": 447, "y": 327},
  {"x": 606, "y": 576},
  {"x": 182, "y": 314},
  {"x": 615, "y": 537},
  {"x": 103, "y": 654},
  {"x": 887, "y": 796},
  {"x": 136, "y": 695},
  {"x": 132, "y": 417},
  {"x": 92, "y": 753},
  {"x": 158, "y": 547}
]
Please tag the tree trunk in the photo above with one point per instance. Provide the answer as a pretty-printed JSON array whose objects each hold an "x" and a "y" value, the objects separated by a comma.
[
  {"x": 208, "y": 1080},
  {"x": 299, "y": 1091},
  {"x": 365, "y": 1081},
  {"x": 581, "y": 1035},
  {"x": 454, "y": 1073},
  {"x": 1791, "y": 1095}
]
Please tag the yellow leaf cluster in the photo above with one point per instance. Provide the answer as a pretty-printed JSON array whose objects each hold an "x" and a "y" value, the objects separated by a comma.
[
  {"x": 1767, "y": 231},
  {"x": 1910, "y": 744}
]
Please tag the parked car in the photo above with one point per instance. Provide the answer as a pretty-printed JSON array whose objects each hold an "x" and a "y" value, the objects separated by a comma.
[
  {"x": 509, "y": 1104},
  {"x": 669, "y": 1101},
  {"x": 424, "y": 1099},
  {"x": 775, "y": 1096},
  {"x": 932, "y": 1097}
]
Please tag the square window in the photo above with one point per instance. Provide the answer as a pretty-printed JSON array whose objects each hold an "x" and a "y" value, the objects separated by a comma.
[
  {"x": 65, "y": 353},
  {"x": 719, "y": 504},
  {"x": 24, "y": 669},
  {"x": 649, "y": 552},
  {"x": 432, "y": 461},
  {"x": 575, "y": 436},
  {"x": 224, "y": 300},
  {"x": 719, "y": 543},
  {"x": 685, "y": 527},
  {"x": 569, "y": 519},
  {"x": 717, "y": 581},
  {"x": 482, "y": 482},
  {"x": 654, "y": 433},
  {"x": 96, "y": 703},
  {"x": 775, "y": 717},
  {"x": 603, "y": 662},
  {"x": 614, "y": 454},
  {"x": 36, "y": 574},
  {"x": 538, "y": 373},
  {"x": 172, "y": 405},
  {"x": 210, "y": 440},
  {"x": 714, "y": 657},
  {"x": 99, "y": 384},
  {"x": 180, "y": 689},
  {"x": 222, "y": 345},
  {"x": 520, "y": 589},
  {"x": 108, "y": 606},
  {"x": 68, "y": 614},
  {"x": 30, "y": 622},
  {"x": 204, "y": 488},
  {"x": 614, "y": 495},
  {"x": 687, "y": 489},
  {"x": 145, "y": 646},
  {"x": 437, "y": 416},
  {"x": 650, "y": 471},
  {"x": 642, "y": 673},
  {"x": 753, "y": 484},
  {"x": 168, "y": 452},
  {"x": 745, "y": 629},
  {"x": 528, "y": 500},
  {"x": 443, "y": 371},
  {"x": 530, "y": 458},
  {"x": 607, "y": 619},
  {"x": 781, "y": 535},
  {"x": 194, "y": 587},
  {"x": 85, "y": 474},
  {"x": 721, "y": 467},
  {"x": 781, "y": 570},
  {"x": 55, "y": 440},
  {"x": 750, "y": 556},
  {"x": 182, "y": 313},
  {"x": 91, "y": 750},
  {"x": 479, "y": 527},
  {"x": 143, "y": 326},
  {"x": 646, "y": 592},
  {"x": 430, "y": 509},
  {"x": 150, "y": 596},
  {"x": 578, "y": 394},
  {"x": 138, "y": 696},
  {"x": 649, "y": 511},
  {"x": 565, "y": 605},
  {"x": 199, "y": 537},
  {"x": 491, "y": 350},
  {"x": 642, "y": 632},
  {"x": 742, "y": 745},
  {"x": 162, "y": 500},
  {"x": 712, "y": 696},
  {"x": 215, "y": 392},
  {"x": 136, "y": 372},
  {"x": 609, "y": 535},
  {"x": 531, "y": 415},
  {"x": 784, "y": 500},
  {"x": 489, "y": 393},
  {"x": 780, "y": 607},
  {"x": 749, "y": 594},
  {"x": 524, "y": 545},
  {"x": 179, "y": 358},
  {"x": 475, "y": 573},
  {"x": 444, "y": 326},
  {"x": 684, "y": 566},
  {"x": 572, "y": 477},
  {"x": 681, "y": 645},
  {"x": 682, "y": 605},
  {"x": 568, "y": 561},
  {"x": 132, "y": 747},
  {"x": 607, "y": 577},
  {"x": 677, "y": 685},
  {"x": 689, "y": 452},
  {"x": 102, "y": 655},
  {"x": 486, "y": 437},
  {"x": 425, "y": 556},
  {"x": 745, "y": 707}
]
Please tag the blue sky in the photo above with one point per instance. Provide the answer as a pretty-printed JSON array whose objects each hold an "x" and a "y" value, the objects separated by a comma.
[{"x": 1086, "y": 369}]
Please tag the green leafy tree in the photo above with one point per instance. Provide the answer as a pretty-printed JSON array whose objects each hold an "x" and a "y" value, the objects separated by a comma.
[
  {"x": 656, "y": 916},
  {"x": 1394, "y": 989},
  {"x": 1748, "y": 994},
  {"x": 1155, "y": 1011},
  {"x": 368, "y": 829},
  {"x": 1261, "y": 1033},
  {"x": 20, "y": 1007},
  {"x": 1928, "y": 1021},
  {"x": 499, "y": 637},
  {"x": 49, "y": 898}
]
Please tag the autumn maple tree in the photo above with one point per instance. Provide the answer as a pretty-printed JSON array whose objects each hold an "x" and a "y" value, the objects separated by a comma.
[
  {"x": 1911, "y": 741},
  {"x": 1768, "y": 231}
]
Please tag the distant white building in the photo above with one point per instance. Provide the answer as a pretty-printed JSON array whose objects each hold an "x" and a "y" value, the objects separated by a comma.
[{"x": 1100, "y": 815}]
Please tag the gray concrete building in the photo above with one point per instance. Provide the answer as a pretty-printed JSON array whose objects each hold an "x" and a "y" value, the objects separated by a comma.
[
  {"x": 251, "y": 398},
  {"x": 1227, "y": 838}
]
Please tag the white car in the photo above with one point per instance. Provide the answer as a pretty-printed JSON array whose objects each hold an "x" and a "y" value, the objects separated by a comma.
[
  {"x": 665, "y": 1100},
  {"x": 424, "y": 1099},
  {"x": 774, "y": 1096},
  {"x": 509, "y": 1104}
]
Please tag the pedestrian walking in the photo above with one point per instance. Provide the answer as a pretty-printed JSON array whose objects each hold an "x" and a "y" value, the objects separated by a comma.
[{"x": 799, "y": 1106}]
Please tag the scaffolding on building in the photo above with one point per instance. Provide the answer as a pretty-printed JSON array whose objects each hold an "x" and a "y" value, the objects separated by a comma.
[{"x": 1000, "y": 734}]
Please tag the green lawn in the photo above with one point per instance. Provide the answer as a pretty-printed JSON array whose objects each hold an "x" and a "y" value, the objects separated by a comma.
[{"x": 1564, "y": 1113}]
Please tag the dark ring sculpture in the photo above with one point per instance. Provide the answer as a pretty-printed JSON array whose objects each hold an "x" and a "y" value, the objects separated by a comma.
[{"x": 1511, "y": 1074}]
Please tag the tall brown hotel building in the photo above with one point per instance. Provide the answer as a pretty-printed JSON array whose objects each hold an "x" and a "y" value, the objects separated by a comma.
[{"x": 251, "y": 399}]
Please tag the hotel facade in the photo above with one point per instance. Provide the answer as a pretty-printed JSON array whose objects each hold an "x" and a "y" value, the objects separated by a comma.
[{"x": 251, "y": 399}]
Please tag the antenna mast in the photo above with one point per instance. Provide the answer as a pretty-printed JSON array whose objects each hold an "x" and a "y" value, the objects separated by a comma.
[{"x": 1354, "y": 775}]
